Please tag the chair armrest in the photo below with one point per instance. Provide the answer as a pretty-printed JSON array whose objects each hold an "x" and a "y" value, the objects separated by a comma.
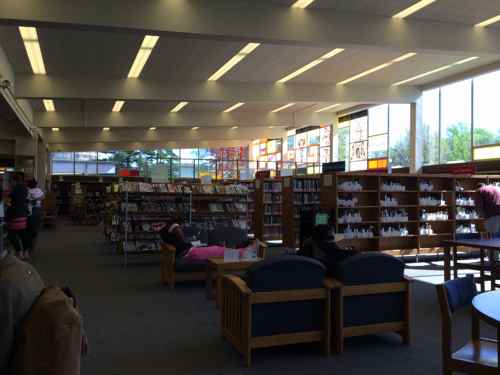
[
  {"x": 332, "y": 284},
  {"x": 238, "y": 283},
  {"x": 262, "y": 251}
]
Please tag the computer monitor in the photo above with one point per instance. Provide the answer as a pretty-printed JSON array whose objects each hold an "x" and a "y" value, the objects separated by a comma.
[{"x": 321, "y": 218}]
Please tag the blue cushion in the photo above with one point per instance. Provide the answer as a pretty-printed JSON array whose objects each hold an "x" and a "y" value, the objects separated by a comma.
[
  {"x": 287, "y": 317},
  {"x": 373, "y": 309},
  {"x": 285, "y": 273},
  {"x": 369, "y": 268},
  {"x": 460, "y": 292},
  {"x": 468, "y": 236}
]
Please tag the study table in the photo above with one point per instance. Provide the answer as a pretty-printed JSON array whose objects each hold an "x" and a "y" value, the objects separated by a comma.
[{"x": 490, "y": 245}]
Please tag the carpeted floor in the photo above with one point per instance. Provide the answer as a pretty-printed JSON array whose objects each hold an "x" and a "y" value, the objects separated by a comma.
[{"x": 136, "y": 326}]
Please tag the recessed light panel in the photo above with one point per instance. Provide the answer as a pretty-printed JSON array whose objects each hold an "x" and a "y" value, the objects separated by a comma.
[
  {"x": 460, "y": 62},
  {"x": 33, "y": 50},
  {"x": 488, "y": 22},
  {"x": 283, "y": 107},
  {"x": 413, "y": 8},
  {"x": 378, "y": 67},
  {"x": 195, "y": 127},
  {"x": 152, "y": 128},
  {"x": 311, "y": 65},
  {"x": 105, "y": 129},
  {"x": 244, "y": 52},
  {"x": 117, "y": 107},
  {"x": 179, "y": 106},
  {"x": 302, "y": 3},
  {"x": 233, "y": 107},
  {"x": 49, "y": 105},
  {"x": 148, "y": 43},
  {"x": 55, "y": 129},
  {"x": 327, "y": 108}
]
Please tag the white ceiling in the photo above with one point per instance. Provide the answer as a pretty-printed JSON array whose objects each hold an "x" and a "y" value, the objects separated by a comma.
[{"x": 108, "y": 54}]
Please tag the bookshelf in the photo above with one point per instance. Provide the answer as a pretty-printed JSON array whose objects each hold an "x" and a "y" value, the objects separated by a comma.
[
  {"x": 383, "y": 212},
  {"x": 299, "y": 193},
  {"x": 268, "y": 209},
  {"x": 141, "y": 209}
]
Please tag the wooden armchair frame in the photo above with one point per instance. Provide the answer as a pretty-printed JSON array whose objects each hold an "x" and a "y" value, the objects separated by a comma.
[
  {"x": 477, "y": 356},
  {"x": 169, "y": 276},
  {"x": 339, "y": 291},
  {"x": 236, "y": 316}
]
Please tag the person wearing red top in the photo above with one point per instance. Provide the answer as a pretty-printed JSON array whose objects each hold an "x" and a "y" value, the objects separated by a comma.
[{"x": 487, "y": 202}]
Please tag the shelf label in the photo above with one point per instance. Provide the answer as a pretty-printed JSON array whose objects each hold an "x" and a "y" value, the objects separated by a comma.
[{"x": 327, "y": 180}]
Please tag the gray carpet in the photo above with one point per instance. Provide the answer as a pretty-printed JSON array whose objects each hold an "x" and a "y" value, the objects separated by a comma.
[{"x": 136, "y": 326}]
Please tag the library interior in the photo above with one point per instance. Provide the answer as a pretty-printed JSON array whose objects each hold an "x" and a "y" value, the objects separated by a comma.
[{"x": 249, "y": 187}]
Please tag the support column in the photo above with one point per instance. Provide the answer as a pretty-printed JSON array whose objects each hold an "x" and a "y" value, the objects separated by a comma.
[{"x": 416, "y": 137}]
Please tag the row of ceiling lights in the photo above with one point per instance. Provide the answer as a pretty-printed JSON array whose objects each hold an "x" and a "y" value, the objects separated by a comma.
[
  {"x": 153, "y": 128},
  {"x": 33, "y": 50}
]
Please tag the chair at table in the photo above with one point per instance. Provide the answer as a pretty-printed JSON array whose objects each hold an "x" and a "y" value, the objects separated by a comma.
[
  {"x": 280, "y": 301},
  {"x": 483, "y": 265},
  {"x": 370, "y": 295},
  {"x": 477, "y": 356}
]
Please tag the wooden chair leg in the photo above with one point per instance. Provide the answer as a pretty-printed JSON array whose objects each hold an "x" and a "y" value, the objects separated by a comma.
[
  {"x": 481, "y": 271},
  {"x": 338, "y": 322},
  {"x": 248, "y": 357}
]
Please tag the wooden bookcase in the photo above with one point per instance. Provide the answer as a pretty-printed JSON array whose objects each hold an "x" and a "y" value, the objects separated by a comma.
[
  {"x": 299, "y": 193},
  {"x": 411, "y": 205},
  {"x": 268, "y": 209}
]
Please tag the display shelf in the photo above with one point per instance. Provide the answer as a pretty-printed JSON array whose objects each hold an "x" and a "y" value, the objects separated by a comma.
[{"x": 403, "y": 192}]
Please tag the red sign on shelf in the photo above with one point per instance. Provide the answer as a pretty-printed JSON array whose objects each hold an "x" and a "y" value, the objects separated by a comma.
[{"x": 463, "y": 169}]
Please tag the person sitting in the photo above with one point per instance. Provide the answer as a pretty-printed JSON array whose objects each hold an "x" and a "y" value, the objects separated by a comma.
[
  {"x": 322, "y": 246},
  {"x": 172, "y": 234},
  {"x": 17, "y": 216},
  {"x": 20, "y": 286}
]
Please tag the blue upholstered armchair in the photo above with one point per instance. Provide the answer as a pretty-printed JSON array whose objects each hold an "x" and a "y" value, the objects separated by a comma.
[
  {"x": 370, "y": 295},
  {"x": 280, "y": 301}
]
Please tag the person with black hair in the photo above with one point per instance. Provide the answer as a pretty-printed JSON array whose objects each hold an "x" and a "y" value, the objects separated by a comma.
[
  {"x": 17, "y": 215},
  {"x": 172, "y": 234},
  {"x": 35, "y": 197}
]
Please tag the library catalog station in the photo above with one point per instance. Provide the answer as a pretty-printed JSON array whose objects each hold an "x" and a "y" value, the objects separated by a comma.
[{"x": 249, "y": 187}]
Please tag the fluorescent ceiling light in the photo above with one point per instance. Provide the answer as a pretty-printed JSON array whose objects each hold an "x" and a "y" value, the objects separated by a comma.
[
  {"x": 463, "y": 61},
  {"x": 179, "y": 106},
  {"x": 234, "y": 127},
  {"x": 311, "y": 65},
  {"x": 152, "y": 128},
  {"x": 233, "y": 107},
  {"x": 327, "y": 108},
  {"x": 283, "y": 107},
  {"x": 244, "y": 52},
  {"x": 49, "y": 105},
  {"x": 105, "y": 129},
  {"x": 55, "y": 129},
  {"x": 378, "y": 67},
  {"x": 117, "y": 107},
  {"x": 302, "y": 3},
  {"x": 488, "y": 22},
  {"x": 195, "y": 127},
  {"x": 148, "y": 43},
  {"x": 414, "y": 8},
  {"x": 33, "y": 50},
  {"x": 271, "y": 127}
]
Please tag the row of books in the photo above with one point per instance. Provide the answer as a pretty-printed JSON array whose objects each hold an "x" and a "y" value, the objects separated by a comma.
[
  {"x": 145, "y": 187},
  {"x": 306, "y": 184}
]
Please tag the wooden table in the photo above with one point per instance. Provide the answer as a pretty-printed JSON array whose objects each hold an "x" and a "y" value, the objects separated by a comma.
[
  {"x": 492, "y": 246},
  {"x": 216, "y": 268},
  {"x": 486, "y": 306}
]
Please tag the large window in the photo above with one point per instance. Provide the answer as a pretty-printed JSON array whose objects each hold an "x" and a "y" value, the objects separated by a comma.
[
  {"x": 180, "y": 163},
  {"x": 462, "y": 121},
  {"x": 366, "y": 139},
  {"x": 486, "y": 109},
  {"x": 399, "y": 138},
  {"x": 456, "y": 105},
  {"x": 430, "y": 124}
]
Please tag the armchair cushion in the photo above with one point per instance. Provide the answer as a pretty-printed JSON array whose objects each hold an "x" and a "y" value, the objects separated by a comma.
[
  {"x": 289, "y": 272},
  {"x": 460, "y": 292},
  {"x": 369, "y": 268},
  {"x": 285, "y": 273}
]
